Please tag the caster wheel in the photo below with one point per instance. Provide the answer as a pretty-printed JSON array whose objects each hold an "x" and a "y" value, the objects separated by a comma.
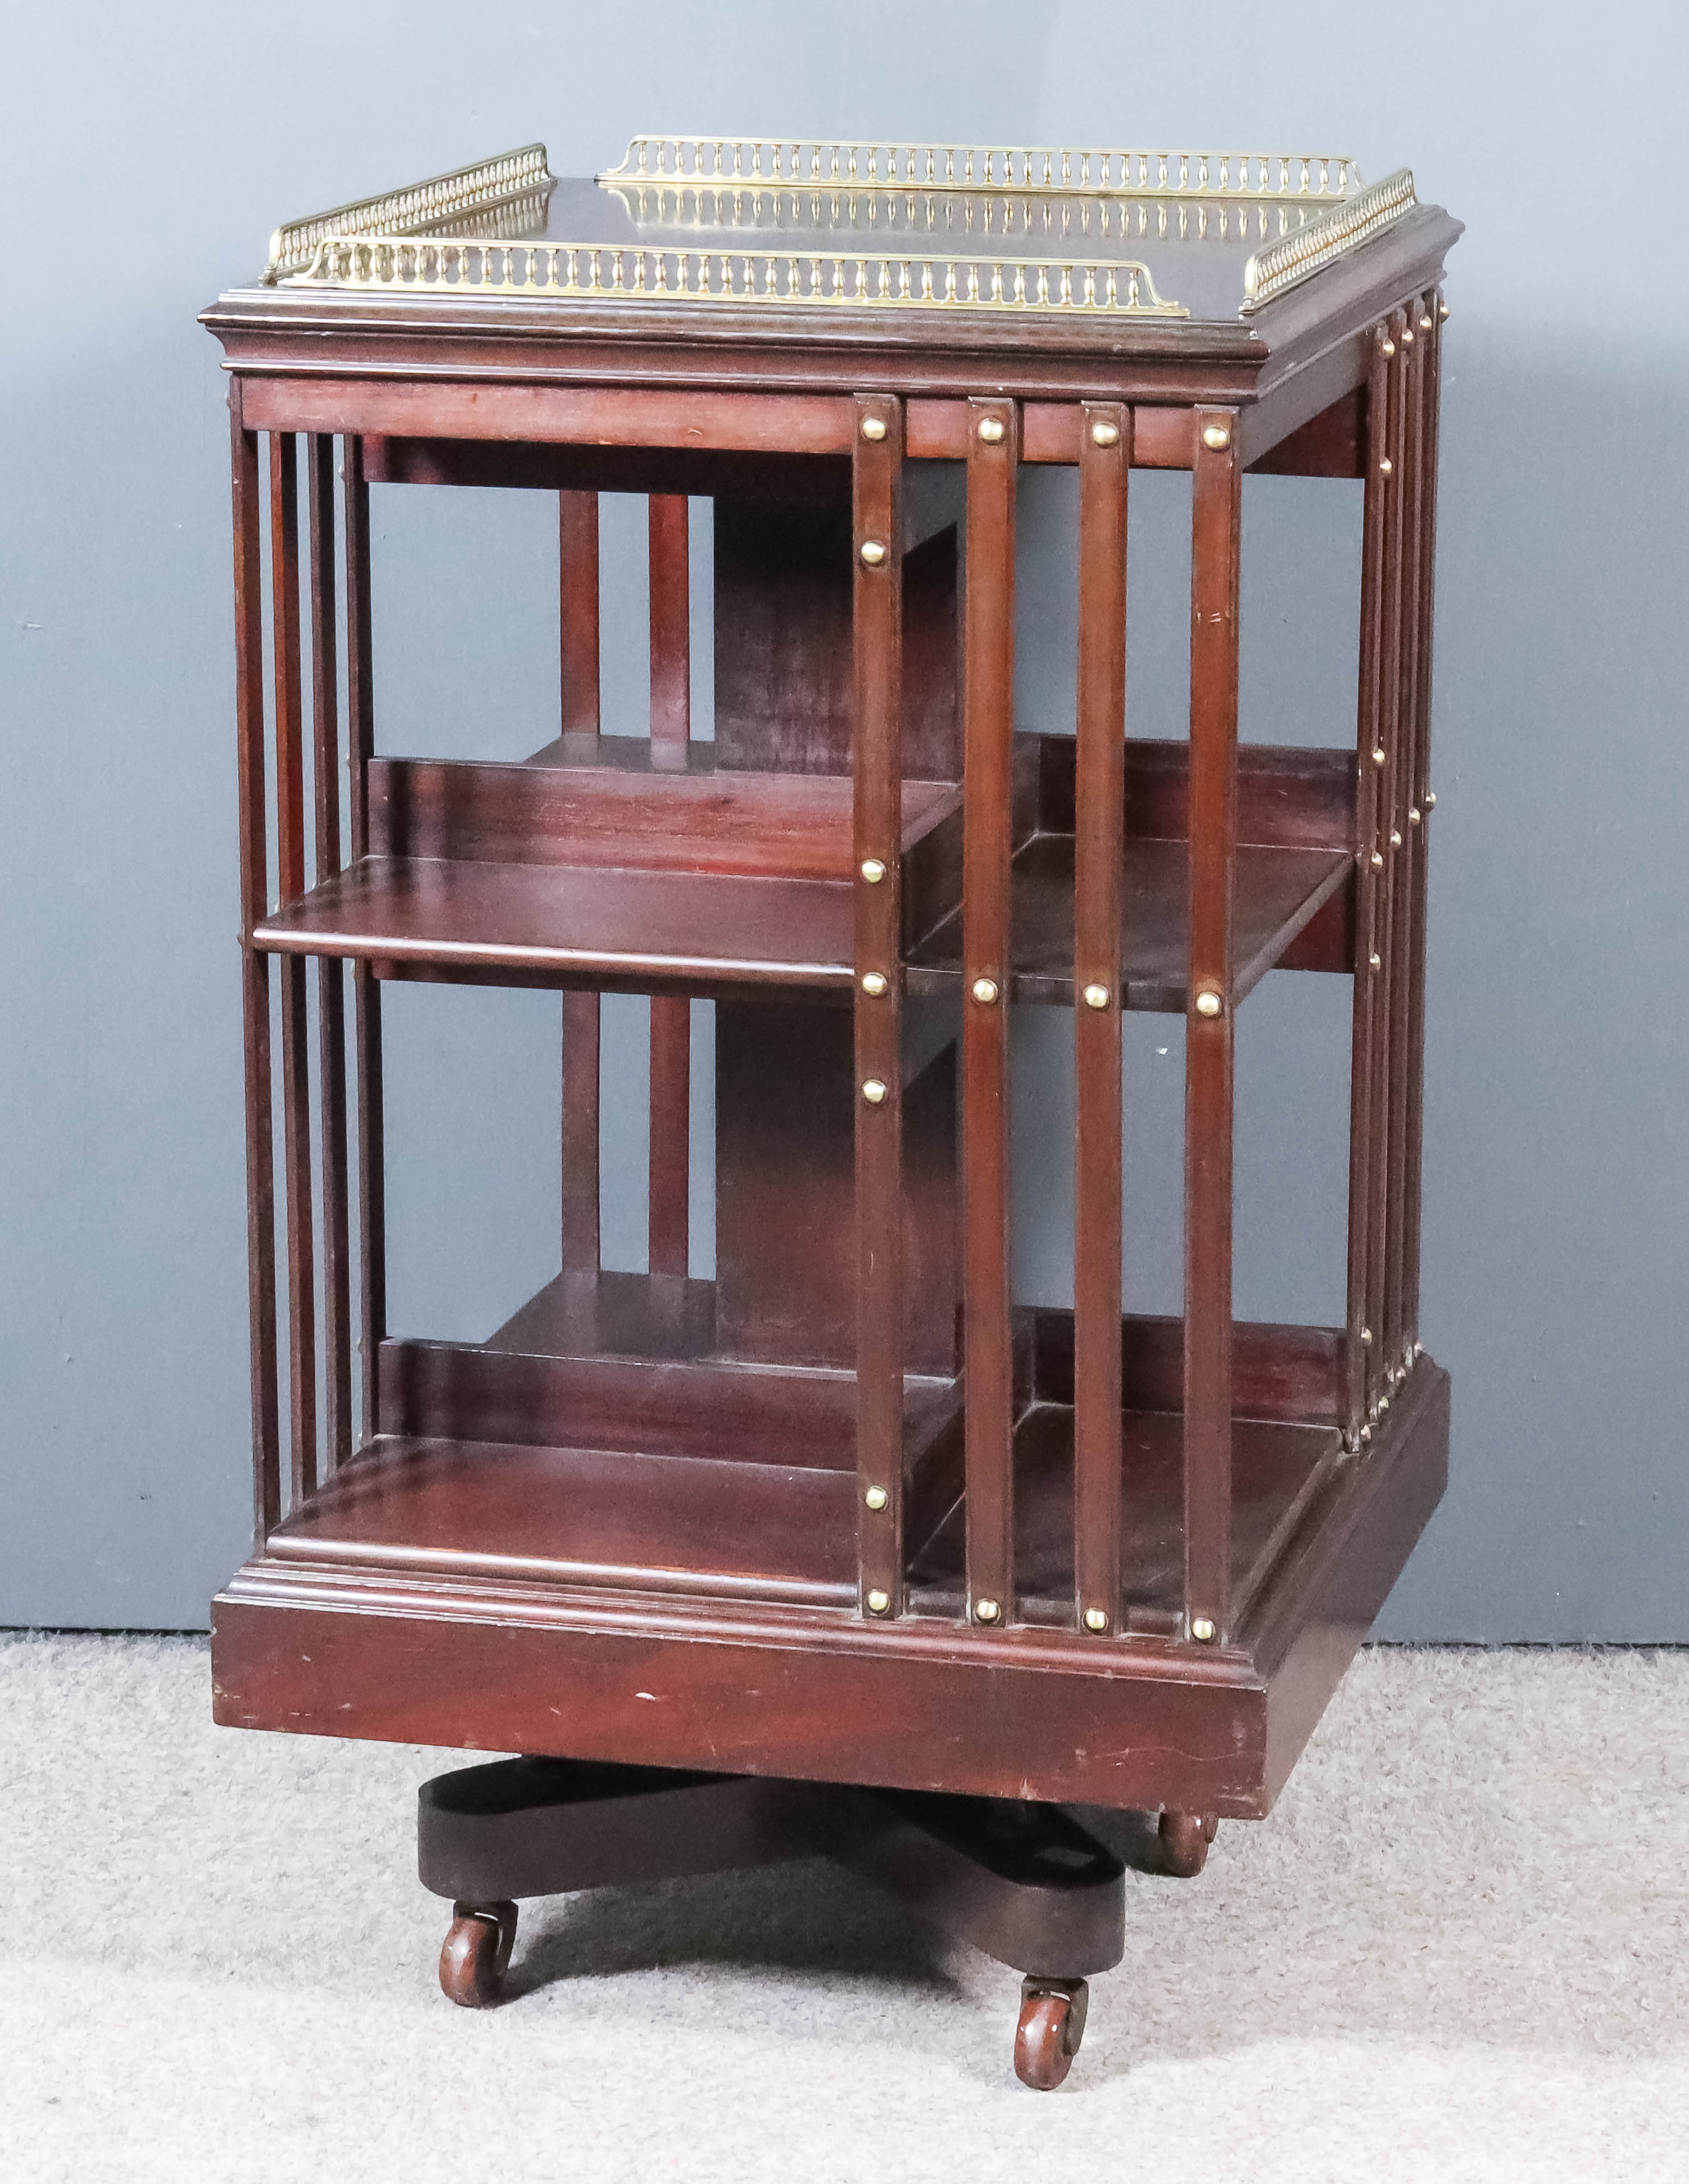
[
  {"x": 477, "y": 1951},
  {"x": 1051, "y": 2026},
  {"x": 1185, "y": 1840}
]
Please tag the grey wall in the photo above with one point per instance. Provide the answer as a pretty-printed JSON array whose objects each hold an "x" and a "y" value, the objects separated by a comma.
[{"x": 147, "y": 154}]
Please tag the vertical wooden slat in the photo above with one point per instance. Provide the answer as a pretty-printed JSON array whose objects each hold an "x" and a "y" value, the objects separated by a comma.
[
  {"x": 1382, "y": 1240},
  {"x": 1415, "y": 1062},
  {"x": 877, "y": 837},
  {"x": 578, "y": 621},
  {"x": 330, "y": 973},
  {"x": 255, "y": 974},
  {"x": 988, "y": 729},
  {"x": 671, "y": 1185},
  {"x": 1368, "y": 992},
  {"x": 1397, "y": 850},
  {"x": 1104, "y": 467},
  {"x": 1216, "y": 515},
  {"x": 372, "y": 1225},
  {"x": 578, "y": 610},
  {"x": 290, "y": 853}
]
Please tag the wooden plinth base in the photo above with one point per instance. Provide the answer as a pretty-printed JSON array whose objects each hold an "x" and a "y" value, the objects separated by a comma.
[{"x": 1024, "y": 1882}]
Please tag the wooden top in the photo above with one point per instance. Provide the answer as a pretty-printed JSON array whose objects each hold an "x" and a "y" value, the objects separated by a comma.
[{"x": 920, "y": 245}]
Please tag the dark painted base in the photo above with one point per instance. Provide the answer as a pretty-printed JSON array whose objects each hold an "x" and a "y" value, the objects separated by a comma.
[{"x": 1024, "y": 1882}]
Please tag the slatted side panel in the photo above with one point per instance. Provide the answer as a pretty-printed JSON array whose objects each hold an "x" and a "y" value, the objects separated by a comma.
[
  {"x": 372, "y": 1223},
  {"x": 876, "y": 745},
  {"x": 1364, "y": 1302},
  {"x": 1407, "y": 483},
  {"x": 337, "y": 1427},
  {"x": 1215, "y": 511},
  {"x": 988, "y": 726},
  {"x": 290, "y": 853},
  {"x": 1430, "y": 333},
  {"x": 1382, "y": 1242},
  {"x": 670, "y": 1015},
  {"x": 1104, "y": 466},
  {"x": 255, "y": 975},
  {"x": 578, "y": 628}
]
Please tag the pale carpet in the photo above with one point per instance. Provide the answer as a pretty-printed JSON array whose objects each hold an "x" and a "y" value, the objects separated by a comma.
[{"x": 1456, "y": 1950}]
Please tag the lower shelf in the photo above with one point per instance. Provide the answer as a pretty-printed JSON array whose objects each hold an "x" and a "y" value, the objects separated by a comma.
[{"x": 771, "y": 1531}]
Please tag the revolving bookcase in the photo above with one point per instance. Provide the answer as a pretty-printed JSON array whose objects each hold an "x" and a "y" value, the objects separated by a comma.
[{"x": 845, "y": 1549}]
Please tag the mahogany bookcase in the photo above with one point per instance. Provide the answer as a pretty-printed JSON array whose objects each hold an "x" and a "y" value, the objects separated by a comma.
[{"x": 844, "y": 1549}]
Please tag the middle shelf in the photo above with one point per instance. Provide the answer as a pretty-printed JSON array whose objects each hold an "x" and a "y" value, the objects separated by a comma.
[{"x": 656, "y": 870}]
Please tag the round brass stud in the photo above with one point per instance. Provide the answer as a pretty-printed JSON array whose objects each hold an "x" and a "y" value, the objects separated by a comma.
[
  {"x": 986, "y": 1611},
  {"x": 1103, "y": 434},
  {"x": 874, "y": 428},
  {"x": 1394, "y": 837},
  {"x": 1377, "y": 963},
  {"x": 1387, "y": 469},
  {"x": 1379, "y": 755},
  {"x": 1096, "y": 997},
  {"x": 876, "y": 1497},
  {"x": 985, "y": 991},
  {"x": 1366, "y": 1334},
  {"x": 1096, "y": 1618},
  {"x": 1431, "y": 799},
  {"x": 1407, "y": 337},
  {"x": 1202, "y": 1630},
  {"x": 874, "y": 983},
  {"x": 1387, "y": 348},
  {"x": 992, "y": 430},
  {"x": 873, "y": 553},
  {"x": 878, "y": 1601},
  {"x": 873, "y": 871},
  {"x": 1442, "y": 310},
  {"x": 874, "y": 1092},
  {"x": 1366, "y": 1435},
  {"x": 1217, "y": 436},
  {"x": 1384, "y": 1403},
  {"x": 1378, "y": 860},
  {"x": 1426, "y": 322},
  {"x": 1412, "y": 815},
  {"x": 1209, "y": 1003}
]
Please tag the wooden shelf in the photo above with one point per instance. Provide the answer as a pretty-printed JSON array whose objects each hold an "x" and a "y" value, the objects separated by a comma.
[
  {"x": 1279, "y": 891},
  {"x": 1275, "y": 1469},
  {"x": 593, "y": 862}
]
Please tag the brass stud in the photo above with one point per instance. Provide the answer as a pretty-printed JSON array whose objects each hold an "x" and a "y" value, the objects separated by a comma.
[
  {"x": 1394, "y": 837},
  {"x": 874, "y": 428},
  {"x": 1407, "y": 337},
  {"x": 985, "y": 991},
  {"x": 1103, "y": 434},
  {"x": 1379, "y": 755},
  {"x": 1383, "y": 1403},
  {"x": 1442, "y": 310},
  {"x": 986, "y": 1611},
  {"x": 873, "y": 871},
  {"x": 1412, "y": 815},
  {"x": 873, "y": 553},
  {"x": 1386, "y": 348},
  {"x": 1217, "y": 436},
  {"x": 1375, "y": 960},
  {"x": 1377, "y": 861},
  {"x": 1096, "y": 1618},
  {"x": 1387, "y": 469},
  {"x": 1096, "y": 997},
  {"x": 876, "y": 1497},
  {"x": 1366, "y": 1334},
  {"x": 874, "y": 1092},
  {"x": 1202, "y": 1630},
  {"x": 1209, "y": 1003},
  {"x": 992, "y": 430},
  {"x": 874, "y": 983},
  {"x": 1431, "y": 799},
  {"x": 1426, "y": 322},
  {"x": 878, "y": 1601},
  {"x": 1366, "y": 1435}
]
